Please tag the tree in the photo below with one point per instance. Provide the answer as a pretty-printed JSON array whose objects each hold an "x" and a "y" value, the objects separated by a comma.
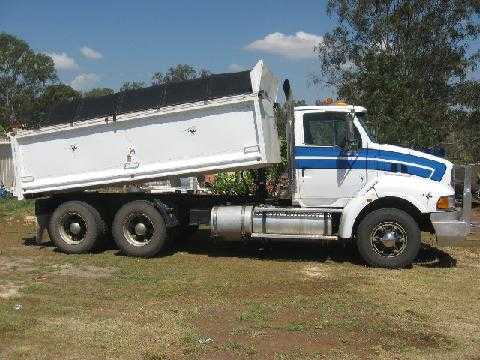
[
  {"x": 243, "y": 182},
  {"x": 96, "y": 92},
  {"x": 275, "y": 172},
  {"x": 55, "y": 94},
  {"x": 24, "y": 75},
  {"x": 177, "y": 73},
  {"x": 52, "y": 95},
  {"x": 408, "y": 62},
  {"x": 132, "y": 85}
]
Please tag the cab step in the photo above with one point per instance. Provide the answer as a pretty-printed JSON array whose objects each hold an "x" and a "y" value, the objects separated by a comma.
[{"x": 294, "y": 236}]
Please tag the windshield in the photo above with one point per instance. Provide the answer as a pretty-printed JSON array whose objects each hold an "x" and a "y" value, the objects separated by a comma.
[{"x": 363, "y": 119}]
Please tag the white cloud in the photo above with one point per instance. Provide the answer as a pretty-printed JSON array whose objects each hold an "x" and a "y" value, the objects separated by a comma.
[
  {"x": 298, "y": 46},
  {"x": 63, "y": 61},
  {"x": 85, "y": 81},
  {"x": 89, "y": 53},
  {"x": 235, "y": 68}
]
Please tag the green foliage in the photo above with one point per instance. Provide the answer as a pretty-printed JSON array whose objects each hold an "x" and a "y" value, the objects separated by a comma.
[
  {"x": 234, "y": 183},
  {"x": 408, "y": 62},
  {"x": 243, "y": 182},
  {"x": 177, "y": 73},
  {"x": 10, "y": 206},
  {"x": 55, "y": 94},
  {"x": 24, "y": 75},
  {"x": 275, "y": 172},
  {"x": 97, "y": 92},
  {"x": 132, "y": 85}
]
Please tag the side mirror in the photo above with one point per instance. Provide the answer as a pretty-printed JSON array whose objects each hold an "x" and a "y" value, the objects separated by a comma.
[
  {"x": 287, "y": 90},
  {"x": 351, "y": 142}
]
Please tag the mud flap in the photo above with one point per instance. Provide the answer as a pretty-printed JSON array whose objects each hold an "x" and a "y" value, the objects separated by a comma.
[{"x": 42, "y": 225}]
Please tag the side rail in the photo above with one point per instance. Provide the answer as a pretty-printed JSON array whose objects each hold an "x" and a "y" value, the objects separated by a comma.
[{"x": 467, "y": 199}]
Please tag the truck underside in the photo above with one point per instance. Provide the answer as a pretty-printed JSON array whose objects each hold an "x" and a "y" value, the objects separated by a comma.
[{"x": 134, "y": 220}]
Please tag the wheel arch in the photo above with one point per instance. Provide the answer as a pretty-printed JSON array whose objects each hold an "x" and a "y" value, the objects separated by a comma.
[{"x": 423, "y": 220}]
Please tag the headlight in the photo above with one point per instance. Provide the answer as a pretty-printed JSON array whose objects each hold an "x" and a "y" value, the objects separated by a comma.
[{"x": 446, "y": 203}]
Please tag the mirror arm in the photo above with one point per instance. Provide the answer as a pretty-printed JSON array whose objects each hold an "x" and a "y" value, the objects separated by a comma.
[{"x": 350, "y": 136}]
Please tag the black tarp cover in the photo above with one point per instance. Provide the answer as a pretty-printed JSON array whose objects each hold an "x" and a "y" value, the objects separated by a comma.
[{"x": 211, "y": 87}]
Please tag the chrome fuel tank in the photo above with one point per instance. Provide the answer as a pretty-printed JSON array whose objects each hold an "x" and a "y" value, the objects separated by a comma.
[
  {"x": 237, "y": 222},
  {"x": 291, "y": 221}
]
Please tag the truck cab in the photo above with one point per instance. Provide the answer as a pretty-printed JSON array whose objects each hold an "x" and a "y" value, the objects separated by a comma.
[
  {"x": 327, "y": 173},
  {"x": 345, "y": 185},
  {"x": 330, "y": 172},
  {"x": 353, "y": 172}
]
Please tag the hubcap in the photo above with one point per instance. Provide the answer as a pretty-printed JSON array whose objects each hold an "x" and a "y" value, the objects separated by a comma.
[
  {"x": 138, "y": 229},
  {"x": 73, "y": 228},
  {"x": 389, "y": 239}
]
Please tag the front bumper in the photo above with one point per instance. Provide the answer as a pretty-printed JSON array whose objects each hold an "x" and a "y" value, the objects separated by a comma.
[
  {"x": 450, "y": 227},
  {"x": 454, "y": 226}
]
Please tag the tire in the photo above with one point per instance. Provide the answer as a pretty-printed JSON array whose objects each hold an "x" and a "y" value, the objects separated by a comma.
[
  {"x": 63, "y": 232},
  {"x": 388, "y": 238},
  {"x": 147, "y": 241}
]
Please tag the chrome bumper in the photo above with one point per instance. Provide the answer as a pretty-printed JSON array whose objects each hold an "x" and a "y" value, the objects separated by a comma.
[
  {"x": 454, "y": 226},
  {"x": 450, "y": 227}
]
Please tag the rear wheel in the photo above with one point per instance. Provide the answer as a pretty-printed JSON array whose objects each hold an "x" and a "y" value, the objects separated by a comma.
[
  {"x": 139, "y": 229},
  {"x": 388, "y": 238},
  {"x": 75, "y": 227}
]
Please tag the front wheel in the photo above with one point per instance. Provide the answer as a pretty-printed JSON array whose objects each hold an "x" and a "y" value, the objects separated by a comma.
[{"x": 388, "y": 238}]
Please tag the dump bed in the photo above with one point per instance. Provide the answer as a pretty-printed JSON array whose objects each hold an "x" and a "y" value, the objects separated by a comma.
[{"x": 224, "y": 122}]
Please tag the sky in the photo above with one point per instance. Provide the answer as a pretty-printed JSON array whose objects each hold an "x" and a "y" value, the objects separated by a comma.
[{"x": 106, "y": 43}]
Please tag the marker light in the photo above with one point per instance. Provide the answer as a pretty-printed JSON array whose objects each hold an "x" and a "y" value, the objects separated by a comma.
[{"x": 446, "y": 203}]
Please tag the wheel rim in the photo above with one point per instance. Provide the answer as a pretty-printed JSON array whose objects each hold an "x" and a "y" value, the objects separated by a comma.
[
  {"x": 138, "y": 229},
  {"x": 73, "y": 228},
  {"x": 389, "y": 239}
]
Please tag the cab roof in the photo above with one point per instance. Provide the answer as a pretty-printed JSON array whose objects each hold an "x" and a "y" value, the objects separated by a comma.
[{"x": 337, "y": 108}]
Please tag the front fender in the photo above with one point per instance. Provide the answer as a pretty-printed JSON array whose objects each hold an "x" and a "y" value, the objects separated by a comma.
[
  {"x": 422, "y": 194},
  {"x": 353, "y": 209}
]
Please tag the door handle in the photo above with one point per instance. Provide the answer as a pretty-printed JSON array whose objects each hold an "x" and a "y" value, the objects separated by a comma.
[{"x": 303, "y": 172}]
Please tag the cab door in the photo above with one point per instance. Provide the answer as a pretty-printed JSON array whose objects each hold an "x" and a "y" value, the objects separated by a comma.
[{"x": 327, "y": 174}]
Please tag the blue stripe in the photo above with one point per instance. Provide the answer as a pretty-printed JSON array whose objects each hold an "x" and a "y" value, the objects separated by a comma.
[{"x": 384, "y": 164}]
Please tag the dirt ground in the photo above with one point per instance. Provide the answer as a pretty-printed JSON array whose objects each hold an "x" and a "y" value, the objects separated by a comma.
[{"x": 233, "y": 301}]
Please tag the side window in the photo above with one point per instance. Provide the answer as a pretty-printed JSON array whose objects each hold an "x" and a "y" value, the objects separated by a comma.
[
  {"x": 318, "y": 131},
  {"x": 324, "y": 129}
]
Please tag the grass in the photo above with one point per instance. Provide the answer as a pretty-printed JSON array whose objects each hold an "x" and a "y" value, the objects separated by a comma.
[
  {"x": 12, "y": 207},
  {"x": 231, "y": 301},
  {"x": 295, "y": 327}
]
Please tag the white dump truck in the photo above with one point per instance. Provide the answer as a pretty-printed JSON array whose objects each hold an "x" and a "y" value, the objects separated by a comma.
[{"x": 343, "y": 184}]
